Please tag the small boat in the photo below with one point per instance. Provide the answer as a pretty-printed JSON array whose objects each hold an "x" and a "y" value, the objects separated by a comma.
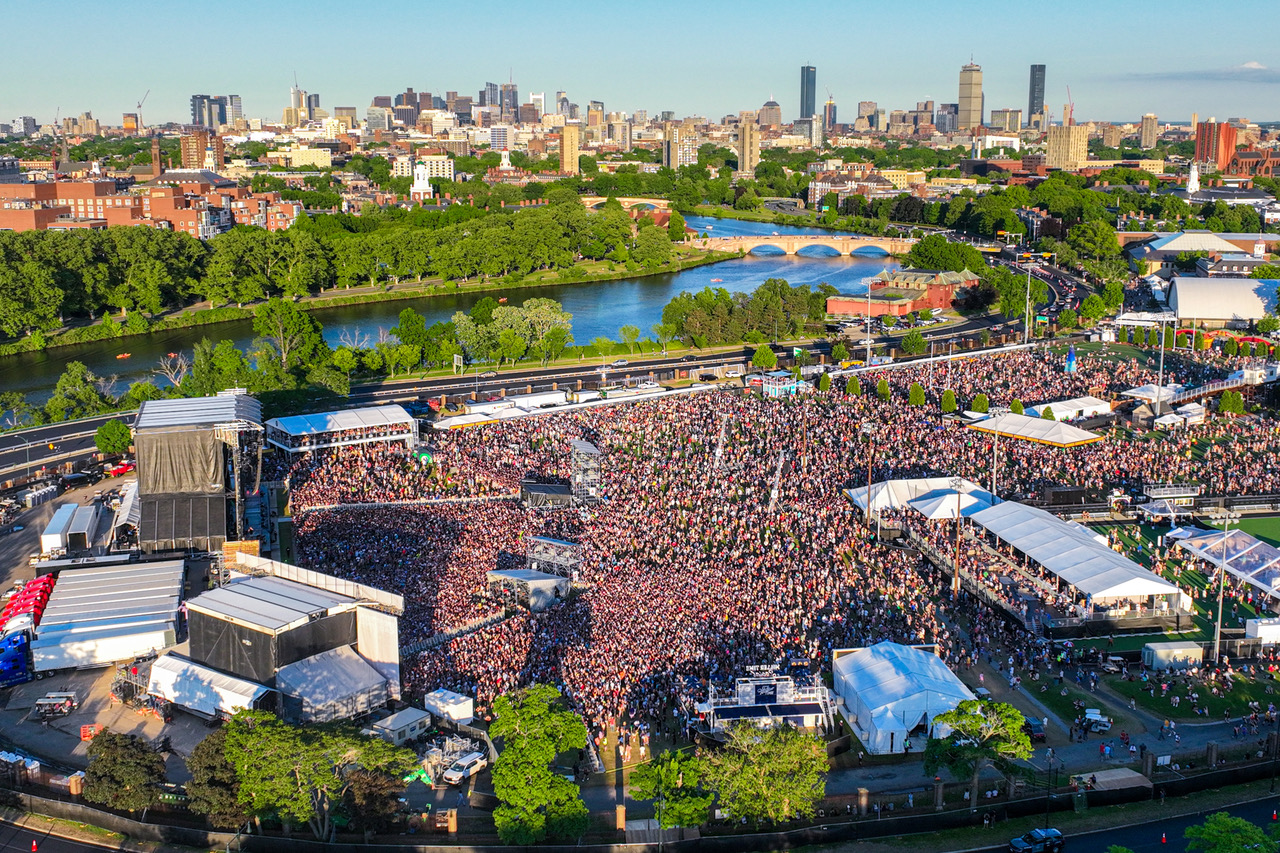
[
  {"x": 502, "y": 300},
  {"x": 172, "y": 355},
  {"x": 711, "y": 228},
  {"x": 125, "y": 355},
  {"x": 716, "y": 280}
]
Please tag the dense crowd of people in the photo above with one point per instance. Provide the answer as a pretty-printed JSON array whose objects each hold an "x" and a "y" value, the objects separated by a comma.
[{"x": 706, "y": 557}]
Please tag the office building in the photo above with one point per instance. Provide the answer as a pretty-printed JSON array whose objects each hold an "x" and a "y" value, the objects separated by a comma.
[
  {"x": 829, "y": 114},
  {"x": 1007, "y": 120},
  {"x": 570, "y": 137},
  {"x": 595, "y": 114},
  {"x": 1215, "y": 144},
  {"x": 810, "y": 129},
  {"x": 489, "y": 95},
  {"x": 208, "y": 111},
  {"x": 377, "y": 118},
  {"x": 1035, "y": 94},
  {"x": 1150, "y": 131},
  {"x": 509, "y": 101},
  {"x": 407, "y": 98},
  {"x": 1067, "y": 147},
  {"x": 130, "y": 124},
  {"x": 539, "y": 101},
  {"x": 947, "y": 119},
  {"x": 770, "y": 115},
  {"x": 808, "y": 91},
  {"x": 529, "y": 114},
  {"x": 24, "y": 126},
  {"x": 312, "y": 104},
  {"x": 748, "y": 147},
  {"x": 1112, "y": 136},
  {"x": 501, "y": 137},
  {"x": 201, "y": 149},
  {"x": 866, "y": 109},
  {"x": 971, "y": 107},
  {"x": 620, "y": 134},
  {"x": 383, "y": 101},
  {"x": 235, "y": 108},
  {"x": 679, "y": 148}
]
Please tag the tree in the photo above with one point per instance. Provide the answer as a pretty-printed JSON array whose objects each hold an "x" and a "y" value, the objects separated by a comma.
[
  {"x": 672, "y": 780},
  {"x": 303, "y": 774},
  {"x": 125, "y": 772},
  {"x": 536, "y": 802},
  {"x": 603, "y": 345},
  {"x": 982, "y": 733},
  {"x": 1067, "y": 318},
  {"x": 1268, "y": 324},
  {"x": 113, "y": 437},
  {"x": 344, "y": 359},
  {"x": 948, "y": 401},
  {"x": 1230, "y": 347},
  {"x": 411, "y": 328},
  {"x": 294, "y": 334},
  {"x": 935, "y": 252},
  {"x": 1095, "y": 238},
  {"x": 913, "y": 343},
  {"x": 853, "y": 387},
  {"x": 764, "y": 358},
  {"x": 1223, "y": 833},
  {"x": 915, "y": 396},
  {"x": 1016, "y": 407},
  {"x": 675, "y": 227},
  {"x": 663, "y": 333},
  {"x": 767, "y": 776},
  {"x": 839, "y": 352},
  {"x": 1200, "y": 341},
  {"x": 882, "y": 390},
  {"x": 980, "y": 403},
  {"x": 629, "y": 334},
  {"x": 214, "y": 790},
  {"x": 76, "y": 394},
  {"x": 1047, "y": 414},
  {"x": 824, "y": 382}
]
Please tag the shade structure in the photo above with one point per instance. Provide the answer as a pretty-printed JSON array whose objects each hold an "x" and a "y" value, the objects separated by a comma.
[
  {"x": 1244, "y": 555},
  {"x": 943, "y": 504},
  {"x": 1036, "y": 429},
  {"x": 1072, "y": 552},
  {"x": 892, "y": 692},
  {"x": 1069, "y": 410},
  {"x": 1153, "y": 393},
  {"x": 200, "y": 689},
  {"x": 895, "y": 494}
]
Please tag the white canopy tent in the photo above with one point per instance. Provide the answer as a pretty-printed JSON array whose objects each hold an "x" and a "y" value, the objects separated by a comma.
[
  {"x": 1152, "y": 393},
  {"x": 944, "y": 504},
  {"x": 1036, "y": 429},
  {"x": 1247, "y": 557},
  {"x": 198, "y": 688},
  {"x": 895, "y": 494},
  {"x": 891, "y": 692},
  {"x": 1072, "y": 552},
  {"x": 1069, "y": 410}
]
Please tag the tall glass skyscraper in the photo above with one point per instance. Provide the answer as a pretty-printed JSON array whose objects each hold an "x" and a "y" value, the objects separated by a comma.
[
  {"x": 1035, "y": 96},
  {"x": 808, "y": 91}
]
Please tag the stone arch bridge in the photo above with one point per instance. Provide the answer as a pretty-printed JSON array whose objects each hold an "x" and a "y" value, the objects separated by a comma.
[{"x": 792, "y": 244}]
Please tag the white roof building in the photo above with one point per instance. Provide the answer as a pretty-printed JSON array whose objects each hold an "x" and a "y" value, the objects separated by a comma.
[
  {"x": 927, "y": 495},
  {"x": 1069, "y": 410},
  {"x": 301, "y": 433},
  {"x": 1038, "y": 430},
  {"x": 890, "y": 693}
]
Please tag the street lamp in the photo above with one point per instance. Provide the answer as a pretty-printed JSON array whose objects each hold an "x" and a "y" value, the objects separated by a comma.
[
  {"x": 1050, "y": 783},
  {"x": 1227, "y": 518},
  {"x": 998, "y": 411},
  {"x": 1026, "y": 318},
  {"x": 27, "y": 445}
]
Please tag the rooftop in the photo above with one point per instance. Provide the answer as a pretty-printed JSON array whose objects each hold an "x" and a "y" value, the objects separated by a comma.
[{"x": 198, "y": 411}]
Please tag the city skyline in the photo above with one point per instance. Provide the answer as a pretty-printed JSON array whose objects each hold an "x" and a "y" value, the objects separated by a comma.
[{"x": 1109, "y": 80}]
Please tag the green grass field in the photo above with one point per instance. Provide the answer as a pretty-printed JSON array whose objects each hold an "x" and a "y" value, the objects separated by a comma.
[{"x": 1267, "y": 528}]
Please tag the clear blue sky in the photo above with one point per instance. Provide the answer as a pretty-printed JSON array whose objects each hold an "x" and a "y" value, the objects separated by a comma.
[{"x": 711, "y": 58}]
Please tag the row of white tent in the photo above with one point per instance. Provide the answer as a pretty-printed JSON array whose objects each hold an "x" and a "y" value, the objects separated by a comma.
[{"x": 1245, "y": 556}]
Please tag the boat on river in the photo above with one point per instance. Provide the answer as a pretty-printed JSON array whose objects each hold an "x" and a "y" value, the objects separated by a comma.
[{"x": 125, "y": 355}]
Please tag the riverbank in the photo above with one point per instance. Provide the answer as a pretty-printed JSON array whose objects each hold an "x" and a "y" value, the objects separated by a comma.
[{"x": 205, "y": 314}]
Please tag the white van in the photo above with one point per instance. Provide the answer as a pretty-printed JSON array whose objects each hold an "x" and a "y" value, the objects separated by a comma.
[{"x": 465, "y": 767}]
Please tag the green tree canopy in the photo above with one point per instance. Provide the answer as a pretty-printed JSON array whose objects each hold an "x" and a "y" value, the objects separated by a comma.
[
  {"x": 764, "y": 358},
  {"x": 915, "y": 395},
  {"x": 767, "y": 776},
  {"x": 213, "y": 789},
  {"x": 913, "y": 343},
  {"x": 673, "y": 781},
  {"x": 293, "y": 333},
  {"x": 1224, "y": 833},
  {"x": 982, "y": 734},
  {"x": 948, "y": 401},
  {"x": 980, "y": 403},
  {"x": 882, "y": 390},
  {"x": 1016, "y": 407},
  {"x": 113, "y": 437},
  {"x": 125, "y": 772}
]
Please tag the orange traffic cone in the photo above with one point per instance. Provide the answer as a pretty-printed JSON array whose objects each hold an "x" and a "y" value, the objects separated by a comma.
[
  {"x": 33, "y": 846},
  {"x": 1163, "y": 840},
  {"x": 1274, "y": 816}
]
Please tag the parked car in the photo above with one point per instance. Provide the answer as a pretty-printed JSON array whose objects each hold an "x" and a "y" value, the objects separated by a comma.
[
  {"x": 618, "y": 362},
  {"x": 1038, "y": 841},
  {"x": 1096, "y": 720},
  {"x": 489, "y": 374},
  {"x": 707, "y": 377},
  {"x": 465, "y": 767},
  {"x": 1034, "y": 729}
]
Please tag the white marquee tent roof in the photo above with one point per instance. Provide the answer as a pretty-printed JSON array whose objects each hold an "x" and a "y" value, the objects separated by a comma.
[
  {"x": 1072, "y": 552},
  {"x": 1246, "y": 556},
  {"x": 327, "y": 422},
  {"x": 1150, "y": 393},
  {"x": 895, "y": 494},
  {"x": 1073, "y": 408},
  {"x": 201, "y": 689},
  {"x": 1221, "y": 298},
  {"x": 942, "y": 504},
  {"x": 1036, "y": 429}
]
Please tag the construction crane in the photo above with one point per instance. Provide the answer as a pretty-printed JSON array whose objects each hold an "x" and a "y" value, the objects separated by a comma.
[
  {"x": 138, "y": 110},
  {"x": 1069, "y": 116}
]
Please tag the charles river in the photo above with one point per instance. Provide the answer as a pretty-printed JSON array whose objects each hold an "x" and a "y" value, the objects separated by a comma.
[{"x": 597, "y": 309}]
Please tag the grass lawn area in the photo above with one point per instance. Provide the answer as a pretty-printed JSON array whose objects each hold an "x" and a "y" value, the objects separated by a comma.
[
  {"x": 1064, "y": 706},
  {"x": 1266, "y": 528},
  {"x": 1245, "y": 691}
]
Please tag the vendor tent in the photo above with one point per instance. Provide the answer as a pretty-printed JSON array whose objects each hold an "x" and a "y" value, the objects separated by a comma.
[
  {"x": 1072, "y": 552},
  {"x": 943, "y": 504},
  {"x": 895, "y": 494},
  {"x": 1245, "y": 556},
  {"x": 891, "y": 693},
  {"x": 1069, "y": 410},
  {"x": 1036, "y": 429},
  {"x": 1151, "y": 393},
  {"x": 333, "y": 685}
]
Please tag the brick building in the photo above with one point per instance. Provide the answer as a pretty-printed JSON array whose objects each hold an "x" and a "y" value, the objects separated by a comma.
[{"x": 901, "y": 292}]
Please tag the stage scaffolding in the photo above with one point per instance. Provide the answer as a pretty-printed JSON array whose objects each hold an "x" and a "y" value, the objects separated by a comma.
[
  {"x": 587, "y": 463},
  {"x": 554, "y": 556}
]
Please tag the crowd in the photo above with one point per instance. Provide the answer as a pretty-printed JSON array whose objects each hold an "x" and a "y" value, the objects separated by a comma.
[{"x": 694, "y": 566}]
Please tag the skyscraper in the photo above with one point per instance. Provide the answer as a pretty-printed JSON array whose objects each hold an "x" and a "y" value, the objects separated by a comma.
[
  {"x": 539, "y": 101},
  {"x": 770, "y": 114},
  {"x": 509, "y": 100},
  {"x": 1215, "y": 144},
  {"x": 1150, "y": 131},
  {"x": 1035, "y": 94},
  {"x": 748, "y": 147},
  {"x": 808, "y": 91},
  {"x": 829, "y": 114},
  {"x": 970, "y": 97},
  {"x": 569, "y": 136},
  {"x": 208, "y": 111},
  {"x": 489, "y": 95}
]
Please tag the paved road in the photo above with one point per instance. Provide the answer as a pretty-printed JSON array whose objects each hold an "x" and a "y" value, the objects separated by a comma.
[{"x": 14, "y": 839}]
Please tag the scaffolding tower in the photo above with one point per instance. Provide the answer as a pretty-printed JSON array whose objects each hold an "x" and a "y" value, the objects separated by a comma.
[
  {"x": 587, "y": 463},
  {"x": 554, "y": 556}
]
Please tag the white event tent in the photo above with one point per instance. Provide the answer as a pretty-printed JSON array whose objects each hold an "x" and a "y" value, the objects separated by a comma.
[
  {"x": 1036, "y": 429},
  {"x": 890, "y": 692},
  {"x": 923, "y": 492},
  {"x": 1244, "y": 555},
  {"x": 1071, "y": 551}
]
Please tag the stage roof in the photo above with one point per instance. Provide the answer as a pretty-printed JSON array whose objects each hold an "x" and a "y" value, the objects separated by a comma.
[
  {"x": 198, "y": 411},
  {"x": 1071, "y": 551},
  {"x": 201, "y": 689},
  {"x": 1036, "y": 429},
  {"x": 325, "y": 422},
  {"x": 895, "y": 494},
  {"x": 268, "y": 604}
]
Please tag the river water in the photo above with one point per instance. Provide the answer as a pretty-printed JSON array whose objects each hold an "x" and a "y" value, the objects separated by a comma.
[{"x": 598, "y": 309}]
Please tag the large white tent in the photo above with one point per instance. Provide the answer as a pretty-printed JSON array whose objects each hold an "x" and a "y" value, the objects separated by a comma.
[
  {"x": 944, "y": 504},
  {"x": 895, "y": 494},
  {"x": 1244, "y": 555},
  {"x": 198, "y": 688},
  {"x": 890, "y": 692},
  {"x": 1036, "y": 429},
  {"x": 1069, "y": 410},
  {"x": 1072, "y": 552}
]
